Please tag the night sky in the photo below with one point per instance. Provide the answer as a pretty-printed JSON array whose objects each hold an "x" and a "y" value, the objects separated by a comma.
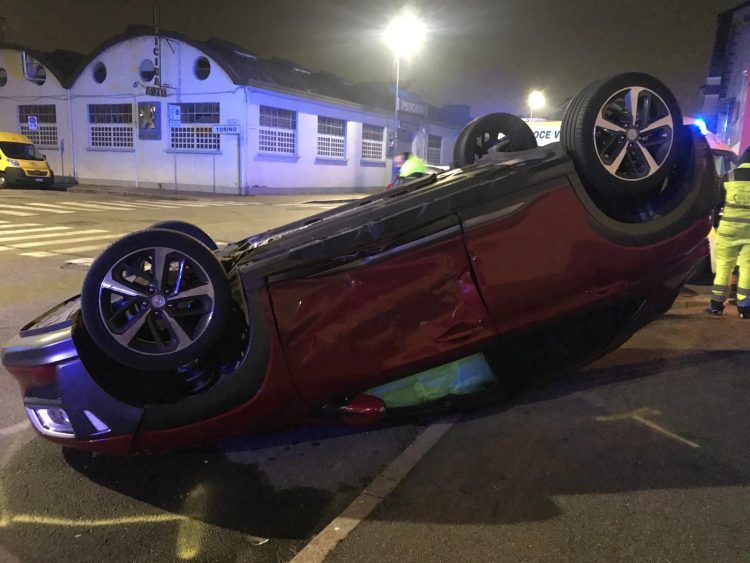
[{"x": 488, "y": 54}]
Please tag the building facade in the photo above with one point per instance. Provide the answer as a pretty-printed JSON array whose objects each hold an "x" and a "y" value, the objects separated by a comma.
[{"x": 171, "y": 113}]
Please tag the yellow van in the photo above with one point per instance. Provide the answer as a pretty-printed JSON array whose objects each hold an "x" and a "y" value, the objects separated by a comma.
[{"x": 21, "y": 163}]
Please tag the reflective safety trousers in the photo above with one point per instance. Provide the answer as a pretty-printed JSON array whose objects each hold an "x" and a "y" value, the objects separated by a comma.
[{"x": 733, "y": 244}]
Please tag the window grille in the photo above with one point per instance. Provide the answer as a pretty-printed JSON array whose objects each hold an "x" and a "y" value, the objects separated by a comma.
[
  {"x": 46, "y": 117},
  {"x": 331, "y": 137},
  {"x": 278, "y": 130},
  {"x": 372, "y": 142},
  {"x": 111, "y": 126},
  {"x": 434, "y": 149},
  {"x": 193, "y": 135}
]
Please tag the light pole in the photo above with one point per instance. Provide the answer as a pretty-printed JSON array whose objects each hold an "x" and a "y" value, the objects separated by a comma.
[
  {"x": 405, "y": 35},
  {"x": 536, "y": 101}
]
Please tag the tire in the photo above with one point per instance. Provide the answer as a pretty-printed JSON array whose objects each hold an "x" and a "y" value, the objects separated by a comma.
[
  {"x": 187, "y": 229},
  {"x": 480, "y": 136},
  {"x": 3, "y": 181},
  {"x": 618, "y": 153},
  {"x": 149, "y": 321}
]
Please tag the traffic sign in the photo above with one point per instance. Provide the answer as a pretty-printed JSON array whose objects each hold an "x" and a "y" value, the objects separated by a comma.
[
  {"x": 33, "y": 123},
  {"x": 226, "y": 129},
  {"x": 175, "y": 119}
]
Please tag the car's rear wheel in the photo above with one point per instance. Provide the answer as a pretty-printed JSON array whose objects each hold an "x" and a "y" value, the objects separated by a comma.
[
  {"x": 3, "y": 181},
  {"x": 155, "y": 300},
  {"x": 187, "y": 229},
  {"x": 501, "y": 132},
  {"x": 623, "y": 133}
]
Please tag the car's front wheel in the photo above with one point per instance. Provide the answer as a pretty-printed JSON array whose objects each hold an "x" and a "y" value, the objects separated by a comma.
[
  {"x": 187, "y": 229},
  {"x": 155, "y": 300}
]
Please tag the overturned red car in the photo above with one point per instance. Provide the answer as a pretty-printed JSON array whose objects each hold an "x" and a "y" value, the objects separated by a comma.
[{"x": 542, "y": 258}]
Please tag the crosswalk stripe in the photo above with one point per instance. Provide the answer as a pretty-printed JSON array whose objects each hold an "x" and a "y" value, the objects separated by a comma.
[
  {"x": 78, "y": 249},
  {"x": 4, "y": 248},
  {"x": 17, "y": 213},
  {"x": 80, "y": 261},
  {"x": 49, "y": 235},
  {"x": 40, "y": 254},
  {"x": 68, "y": 241},
  {"x": 68, "y": 208},
  {"x": 16, "y": 225},
  {"x": 86, "y": 206},
  {"x": 116, "y": 205},
  {"x": 4, "y": 232},
  {"x": 22, "y": 207},
  {"x": 156, "y": 205}
]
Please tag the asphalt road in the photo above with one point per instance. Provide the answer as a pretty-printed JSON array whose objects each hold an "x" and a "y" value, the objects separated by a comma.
[{"x": 641, "y": 457}]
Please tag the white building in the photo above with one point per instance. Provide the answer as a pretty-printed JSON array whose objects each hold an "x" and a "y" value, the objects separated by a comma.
[{"x": 172, "y": 113}]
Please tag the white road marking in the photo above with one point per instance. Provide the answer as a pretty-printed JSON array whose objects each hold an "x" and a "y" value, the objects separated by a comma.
[
  {"x": 87, "y": 206},
  {"x": 49, "y": 235},
  {"x": 4, "y": 232},
  {"x": 40, "y": 254},
  {"x": 639, "y": 415},
  {"x": 68, "y": 241},
  {"x": 14, "y": 429},
  {"x": 16, "y": 225},
  {"x": 61, "y": 206},
  {"x": 86, "y": 261},
  {"x": 22, "y": 207},
  {"x": 321, "y": 545},
  {"x": 115, "y": 206},
  {"x": 17, "y": 213},
  {"x": 4, "y": 248},
  {"x": 78, "y": 249}
]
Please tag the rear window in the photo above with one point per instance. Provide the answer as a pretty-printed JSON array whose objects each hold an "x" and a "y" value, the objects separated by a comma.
[{"x": 21, "y": 151}]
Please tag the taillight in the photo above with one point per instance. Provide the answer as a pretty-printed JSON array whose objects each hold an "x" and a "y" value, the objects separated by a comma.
[{"x": 34, "y": 376}]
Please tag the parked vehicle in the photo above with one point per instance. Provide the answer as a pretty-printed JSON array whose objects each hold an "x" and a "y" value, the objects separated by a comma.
[
  {"x": 542, "y": 258},
  {"x": 21, "y": 163}
]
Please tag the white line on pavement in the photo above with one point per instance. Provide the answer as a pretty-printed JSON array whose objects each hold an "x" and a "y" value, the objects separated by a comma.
[
  {"x": 68, "y": 241},
  {"x": 16, "y": 225},
  {"x": 4, "y": 232},
  {"x": 80, "y": 261},
  {"x": 17, "y": 213},
  {"x": 49, "y": 235},
  {"x": 22, "y": 207},
  {"x": 321, "y": 545},
  {"x": 78, "y": 249},
  {"x": 40, "y": 254}
]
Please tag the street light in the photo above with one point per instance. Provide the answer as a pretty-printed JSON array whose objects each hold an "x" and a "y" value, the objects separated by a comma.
[
  {"x": 405, "y": 35},
  {"x": 536, "y": 101}
]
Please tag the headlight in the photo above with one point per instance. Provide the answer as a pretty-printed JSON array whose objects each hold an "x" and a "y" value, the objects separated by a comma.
[{"x": 13, "y": 162}]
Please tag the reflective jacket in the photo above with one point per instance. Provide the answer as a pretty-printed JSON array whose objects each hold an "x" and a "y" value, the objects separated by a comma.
[
  {"x": 737, "y": 199},
  {"x": 414, "y": 165}
]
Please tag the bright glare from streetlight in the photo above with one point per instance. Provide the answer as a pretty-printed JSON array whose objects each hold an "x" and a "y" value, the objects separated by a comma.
[
  {"x": 405, "y": 34},
  {"x": 537, "y": 100}
]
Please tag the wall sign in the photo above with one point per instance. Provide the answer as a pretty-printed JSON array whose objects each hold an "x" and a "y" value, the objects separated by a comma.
[{"x": 226, "y": 129}]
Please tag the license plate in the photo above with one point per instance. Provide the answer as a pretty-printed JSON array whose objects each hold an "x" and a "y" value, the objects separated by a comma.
[{"x": 39, "y": 179}]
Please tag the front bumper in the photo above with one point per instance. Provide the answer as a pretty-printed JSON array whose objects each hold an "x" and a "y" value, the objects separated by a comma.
[
  {"x": 62, "y": 400},
  {"x": 27, "y": 177}
]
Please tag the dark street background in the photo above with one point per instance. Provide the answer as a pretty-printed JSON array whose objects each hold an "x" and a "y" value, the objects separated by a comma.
[{"x": 485, "y": 53}]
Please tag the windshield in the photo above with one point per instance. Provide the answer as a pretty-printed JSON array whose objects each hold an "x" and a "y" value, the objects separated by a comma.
[{"x": 22, "y": 151}]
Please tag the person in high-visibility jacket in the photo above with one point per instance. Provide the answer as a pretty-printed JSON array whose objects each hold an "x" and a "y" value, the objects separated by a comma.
[
  {"x": 733, "y": 241},
  {"x": 411, "y": 166}
]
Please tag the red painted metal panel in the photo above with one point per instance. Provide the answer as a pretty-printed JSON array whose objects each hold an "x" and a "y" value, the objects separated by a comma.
[
  {"x": 546, "y": 260},
  {"x": 355, "y": 329}
]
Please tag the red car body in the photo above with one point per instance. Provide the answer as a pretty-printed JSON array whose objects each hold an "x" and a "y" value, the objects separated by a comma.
[{"x": 507, "y": 255}]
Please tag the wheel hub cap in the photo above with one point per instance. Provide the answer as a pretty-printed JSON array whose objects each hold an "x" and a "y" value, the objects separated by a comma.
[
  {"x": 158, "y": 301},
  {"x": 632, "y": 135}
]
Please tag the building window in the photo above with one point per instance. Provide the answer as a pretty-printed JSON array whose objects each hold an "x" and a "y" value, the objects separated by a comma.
[
  {"x": 331, "y": 137},
  {"x": 372, "y": 142},
  {"x": 111, "y": 126},
  {"x": 202, "y": 68},
  {"x": 45, "y": 135},
  {"x": 196, "y": 133},
  {"x": 100, "y": 72},
  {"x": 434, "y": 149},
  {"x": 278, "y": 130}
]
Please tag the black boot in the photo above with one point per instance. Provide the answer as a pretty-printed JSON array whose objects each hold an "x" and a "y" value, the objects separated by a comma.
[
  {"x": 715, "y": 308},
  {"x": 744, "y": 312}
]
